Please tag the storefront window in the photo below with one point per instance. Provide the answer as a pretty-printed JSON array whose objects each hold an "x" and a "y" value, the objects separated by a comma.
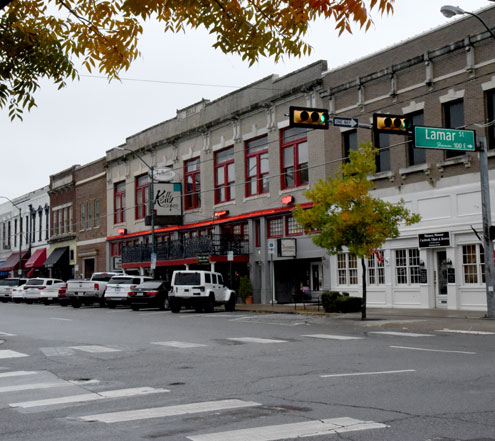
[
  {"x": 407, "y": 266},
  {"x": 376, "y": 270},
  {"x": 473, "y": 264},
  {"x": 347, "y": 269}
]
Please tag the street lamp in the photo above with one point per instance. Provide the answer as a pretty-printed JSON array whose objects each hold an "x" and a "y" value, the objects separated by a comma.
[
  {"x": 19, "y": 270},
  {"x": 486, "y": 214},
  {"x": 151, "y": 203}
]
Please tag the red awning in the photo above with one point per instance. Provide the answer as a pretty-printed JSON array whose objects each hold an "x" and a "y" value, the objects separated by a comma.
[
  {"x": 31, "y": 272},
  {"x": 37, "y": 259},
  {"x": 12, "y": 263}
]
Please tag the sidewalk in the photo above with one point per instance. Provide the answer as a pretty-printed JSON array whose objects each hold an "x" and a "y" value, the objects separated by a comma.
[{"x": 435, "y": 318}]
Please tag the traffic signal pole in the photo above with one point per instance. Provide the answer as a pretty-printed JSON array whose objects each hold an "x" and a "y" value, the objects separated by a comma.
[{"x": 486, "y": 219}]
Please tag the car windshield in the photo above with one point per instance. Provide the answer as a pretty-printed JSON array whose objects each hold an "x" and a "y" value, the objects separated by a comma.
[
  {"x": 121, "y": 281},
  {"x": 187, "y": 279},
  {"x": 101, "y": 278},
  {"x": 35, "y": 282},
  {"x": 150, "y": 285}
]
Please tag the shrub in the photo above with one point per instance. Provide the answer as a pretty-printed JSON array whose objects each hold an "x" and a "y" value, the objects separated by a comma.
[
  {"x": 329, "y": 300},
  {"x": 245, "y": 287},
  {"x": 333, "y": 301}
]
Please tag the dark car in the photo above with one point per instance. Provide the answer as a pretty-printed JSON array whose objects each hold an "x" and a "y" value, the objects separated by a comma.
[{"x": 150, "y": 294}]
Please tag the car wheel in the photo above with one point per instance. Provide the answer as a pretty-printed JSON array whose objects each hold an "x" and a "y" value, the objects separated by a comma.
[
  {"x": 199, "y": 308},
  {"x": 230, "y": 305},
  {"x": 134, "y": 307},
  {"x": 165, "y": 305},
  {"x": 76, "y": 304},
  {"x": 45, "y": 302},
  {"x": 101, "y": 302},
  {"x": 210, "y": 304},
  {"x": 17, "y": 301},
  {"x": 29, "y": 302},
  {"x": 111, "y": 305},
  {"x": 175, "y": 306}
]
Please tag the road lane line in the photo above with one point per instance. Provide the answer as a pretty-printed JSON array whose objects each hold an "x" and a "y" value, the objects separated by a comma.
[
  {"x": 367, "y": 373},
  {"x": 333, "y": 337},
  {"x": 94, "y": 348},
  {"x": 21, "y": 387},
  {"x": 256, "y": 340},
  {"x": 401, "y": 334},
  {"x": 159, "y": 412},
  {"x": 59, "y": 318},
  {"x": 17, "y": 373},
  {"x": 118, "y": 393},
  {"x": 433, "y": 350},
  {"x": 460, "y": 331},
  {"x": 7, "y": 353},
  {"x": 291, "y": 431},
  {"x": 6, "y": 334},
  {"x": 178, "y": 344}
]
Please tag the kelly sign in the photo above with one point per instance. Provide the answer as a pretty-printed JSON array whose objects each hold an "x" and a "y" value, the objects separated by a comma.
[{"x": 444, "y": 139}]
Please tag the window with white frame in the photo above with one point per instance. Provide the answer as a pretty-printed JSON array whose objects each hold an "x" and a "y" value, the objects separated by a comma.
[
  {"x": 407, "y": 271},
  {"x": 347, "y": 269},
  {"x": 376, "y": 269},
  {"x": 473, "y": 264},
  {"x": 276, "y": 227}
]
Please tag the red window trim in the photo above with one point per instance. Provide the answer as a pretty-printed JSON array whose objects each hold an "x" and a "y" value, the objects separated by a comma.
[
  {"x": 141, "y": 205},
  {"x": 119, "y": 215},
  {"x": 258, "y": 176},
  {"x": 295, "y": 143},
  {"x": 227, "y": 183},
  {"x": 194, "y": 193}
]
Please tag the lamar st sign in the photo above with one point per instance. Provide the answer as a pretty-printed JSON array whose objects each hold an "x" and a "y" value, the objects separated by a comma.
[{"x": 445, "y": 139}]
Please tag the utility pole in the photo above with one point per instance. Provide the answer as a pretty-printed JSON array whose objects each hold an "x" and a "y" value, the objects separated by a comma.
[{"x": 486, "y": 219}]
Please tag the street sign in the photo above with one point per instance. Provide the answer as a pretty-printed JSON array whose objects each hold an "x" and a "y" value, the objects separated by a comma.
[
  {"x": 271, "y": 246},
  {"x": 203, "y": 259},
  {"x": 444, "y": 139},
  {"x": 153, "y": 261},
  {"x": 345, "y": 122},
  {"x": 230, "y": 256}
]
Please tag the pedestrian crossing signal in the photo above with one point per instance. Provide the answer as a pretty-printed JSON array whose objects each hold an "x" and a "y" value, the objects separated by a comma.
[
  {"x": 395, "y": 124},
  {"x": 308, "y": 117}
]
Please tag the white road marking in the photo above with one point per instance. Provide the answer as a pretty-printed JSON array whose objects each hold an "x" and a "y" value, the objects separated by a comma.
[
  {"x": 367, "y": 373},
  {"x": 94, "y": 349},
  {"x": 178, "y": 344},
  {"x": 7, "y": 353},
  {"x": 291, "y": 431},
  {"x": 158, "y": 412},
  {"x": 433, "y": 350},
  {"x": 58, "y": 318},
  {"x": 119, "y": 393},
  {"x": 57, "y": 351},
  {"x": 333, "y": 337},
  {"x": 17, "y": 373},
  {"x": 460, "y": 331},
  {"x": 83, "y": 382},
  {"x": 401, "y": 334},
  {"x": 21, "y": 387},
  {"x": 256, "y": 340},
  {"x": 6, "y": 334}
]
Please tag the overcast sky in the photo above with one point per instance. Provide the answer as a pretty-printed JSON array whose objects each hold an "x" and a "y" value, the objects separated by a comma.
[{"x": 79, "y": 123}]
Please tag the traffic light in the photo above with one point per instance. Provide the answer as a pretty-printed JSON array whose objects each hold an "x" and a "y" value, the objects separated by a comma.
[
  {"x": 395, "y": 124},
  {"x": 308, "y": 117}
]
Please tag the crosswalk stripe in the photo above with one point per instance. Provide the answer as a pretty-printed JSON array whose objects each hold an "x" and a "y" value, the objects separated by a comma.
[
  {"x": 16, "y": 373},
  {"x": 433, "y": 350},
  {"x": 94, "y": 348},
  {"x": 256, "y": 340},
  {"x": 7, "y": 353},
  {"x": 334, "y": 337},
  {"x": 460, "y": 331},
  {"x": 157, "y": 412},
  {"x": 21, "y": 387},
  {"x": 6, "y": 334},
  {"x": 401, "y": 334},
  {"x": 178, "y": 344},
  {"x": 118, "y": 393},
  {"x": 291, "y": 431},
  {"x": 367, "y": 373}
]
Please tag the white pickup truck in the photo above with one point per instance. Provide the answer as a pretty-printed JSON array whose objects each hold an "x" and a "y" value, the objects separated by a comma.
[{"x": 89, "y": 291}]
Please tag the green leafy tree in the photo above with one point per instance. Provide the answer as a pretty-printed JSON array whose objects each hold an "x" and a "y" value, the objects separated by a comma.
[
  {"x": 104, "y": 34},
  {"x": 344, "y": 214}
]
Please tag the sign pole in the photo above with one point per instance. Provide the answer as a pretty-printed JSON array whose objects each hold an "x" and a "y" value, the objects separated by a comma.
[{"x": 486, "y": 217}]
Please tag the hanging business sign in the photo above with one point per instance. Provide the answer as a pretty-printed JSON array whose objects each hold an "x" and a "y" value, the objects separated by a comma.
[
  {"x": 164, "y": 174},
  {"x": 287, "y": 248},
  {"x": 434, "y": 240},
  {"x": 168, "y": 203}
]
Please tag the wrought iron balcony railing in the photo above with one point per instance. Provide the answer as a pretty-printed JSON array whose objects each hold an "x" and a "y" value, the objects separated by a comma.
[{"x": 212, "y": 245}]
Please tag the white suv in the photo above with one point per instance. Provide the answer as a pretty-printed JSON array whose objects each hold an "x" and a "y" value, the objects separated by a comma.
[
  {"x": 200, "y": 290},
  {"x": 118, "y": 288},
  {"x": 34, "y": 287}
]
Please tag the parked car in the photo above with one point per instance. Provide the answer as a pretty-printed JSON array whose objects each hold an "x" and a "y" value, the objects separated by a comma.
[
  {"x": 6, "y": 286},
  {"x": 89, "y": 291},
  {"x": 201, "y": 290},
  {"x": 118, "y": 289},
  {"x": 33, "y": 288},
  {"x": 150, "y": 294},
  {"x": 52, "y": 292},
  {"x": 18, "y": 294}
]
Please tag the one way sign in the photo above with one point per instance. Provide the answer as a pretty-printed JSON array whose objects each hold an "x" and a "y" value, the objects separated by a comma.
[{"x": 345, "y": 122}]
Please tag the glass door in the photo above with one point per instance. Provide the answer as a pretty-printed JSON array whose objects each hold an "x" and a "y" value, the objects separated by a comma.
[{"x": 441, "y": 279}]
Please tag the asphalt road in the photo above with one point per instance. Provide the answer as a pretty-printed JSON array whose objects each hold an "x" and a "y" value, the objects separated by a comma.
[{"x": 100, "y": 374}]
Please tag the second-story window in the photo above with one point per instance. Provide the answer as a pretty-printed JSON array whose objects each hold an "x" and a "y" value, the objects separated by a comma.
[
  {"x": 350, "y": 141},
  {"x": 119, "y": 203},
  {"x": 257, "y": 166},
  {"x": 97, "y": 213},
  {"x": 83, "y": 216},
  {"x": 142, "y": 195},
  {"x": 416, "y": 156},
  {"x": 382, "y": 143},
  {"x": 224, "y": 175},
  {"x": 192, "y": 190},
  {"x": 490, "y": 117},
  {"x": 294, "y": 151},
  {"x": 453, "y": 114}
]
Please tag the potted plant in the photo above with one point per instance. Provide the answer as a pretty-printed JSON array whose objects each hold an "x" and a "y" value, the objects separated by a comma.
[{"x": 246, "y": 290}]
